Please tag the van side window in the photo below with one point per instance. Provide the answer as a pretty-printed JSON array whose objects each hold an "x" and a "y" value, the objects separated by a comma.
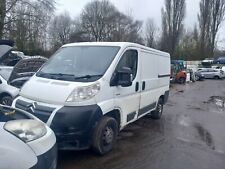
[{"x": 130, "y": 60}]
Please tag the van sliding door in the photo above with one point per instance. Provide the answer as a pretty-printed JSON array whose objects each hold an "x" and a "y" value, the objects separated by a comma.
[{"x": 149, "y": 82}]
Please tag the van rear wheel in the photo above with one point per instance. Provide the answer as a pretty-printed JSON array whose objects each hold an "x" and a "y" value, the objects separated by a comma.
[
  {"x": 105, "y": 135},
  {"x": 157, "y": 113}
]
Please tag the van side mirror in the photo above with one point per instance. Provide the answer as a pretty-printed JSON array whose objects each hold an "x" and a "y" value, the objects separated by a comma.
[
  {"x": 0, "y": 81},
  {"x": 124, "y": 77}
]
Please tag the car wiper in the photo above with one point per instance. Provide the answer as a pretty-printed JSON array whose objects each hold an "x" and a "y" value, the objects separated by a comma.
[
  {"x": 55, "y": 74},
  {"x": 87, "y": 76},
  {"x": 61, "y": 74}
]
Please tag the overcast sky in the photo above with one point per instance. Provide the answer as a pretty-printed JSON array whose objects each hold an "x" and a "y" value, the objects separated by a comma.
[{"x": 140, "y": 9}]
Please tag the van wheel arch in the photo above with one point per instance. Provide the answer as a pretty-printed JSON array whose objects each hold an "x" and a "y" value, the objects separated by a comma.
[
  {"x": 163, "y": 98},
  {"x": 116, "y": 115}
]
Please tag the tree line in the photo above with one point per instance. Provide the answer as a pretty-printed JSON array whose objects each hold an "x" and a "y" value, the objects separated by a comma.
[{"x": 37, "y": 30}]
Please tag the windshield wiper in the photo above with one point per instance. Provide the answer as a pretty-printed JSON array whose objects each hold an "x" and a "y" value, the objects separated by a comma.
[
  {"x": 57, "y": 76},
  {"x": 87, "y": 76}
]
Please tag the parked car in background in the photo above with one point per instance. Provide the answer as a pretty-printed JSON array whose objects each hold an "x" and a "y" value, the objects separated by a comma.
[
  {"x": 222, "y": 68},
  {"x": 7, "y": 57},
  {"x": 25, "y": 142},
  {"x": 220, "y": 60},
  {"x": 24, "y": 69},
  {"x": 199, "y": 76},
  {"x": 210, "y": 73},
  {"x": 13, "y": 78},
  {"x": 207, "y": 62},
  {"x": 7, "y": 92}
]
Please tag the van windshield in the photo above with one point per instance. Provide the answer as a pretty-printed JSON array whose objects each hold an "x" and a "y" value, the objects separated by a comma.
[{"x": 79, "y": 63}]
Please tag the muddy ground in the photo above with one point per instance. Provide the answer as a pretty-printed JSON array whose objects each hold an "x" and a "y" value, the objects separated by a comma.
[{"x": 190, "y": 135}]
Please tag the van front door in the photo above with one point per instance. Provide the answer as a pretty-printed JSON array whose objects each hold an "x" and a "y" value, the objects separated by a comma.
[{"x": 127, "y": 99}]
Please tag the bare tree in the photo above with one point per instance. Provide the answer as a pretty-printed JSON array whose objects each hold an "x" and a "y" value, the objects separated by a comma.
[
  {"x": 101, "y": 21},
  {"x": 150, "y": 32},
  {"x": 95, "y": 18},
  {"x": 204, "y": 19},
  {"x": 172, "y": 24},
  {"x": 211, "y": 16},
  {"x": 9, "y": 12},
  {"x": 218, "y": 13},
  {"x": 60, "y": 30}
]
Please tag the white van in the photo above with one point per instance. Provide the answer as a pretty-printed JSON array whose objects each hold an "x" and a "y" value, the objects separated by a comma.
[{"x": 87, "y": 92}]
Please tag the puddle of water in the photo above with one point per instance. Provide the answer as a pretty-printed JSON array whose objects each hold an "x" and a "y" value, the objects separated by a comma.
[
  {"x": 218, "y": 100},
  {"x": 205, "y": 136}
]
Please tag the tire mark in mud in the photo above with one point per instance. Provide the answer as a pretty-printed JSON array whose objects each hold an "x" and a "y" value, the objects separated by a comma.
[{"x": 205, "y": 135}]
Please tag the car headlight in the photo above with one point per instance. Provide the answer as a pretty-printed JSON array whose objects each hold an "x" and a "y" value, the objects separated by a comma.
[
  {"x": 26, "y": 130},
  {"x": 84, "y": 93}
]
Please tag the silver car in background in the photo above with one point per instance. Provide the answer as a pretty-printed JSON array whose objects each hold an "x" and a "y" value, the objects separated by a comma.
[
  {"x": 210, "y": 73},
  {"x": 13, "y": 78}
]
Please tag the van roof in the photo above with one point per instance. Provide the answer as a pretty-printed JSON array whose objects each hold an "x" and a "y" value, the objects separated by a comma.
[{"x": 120, "y": 44}]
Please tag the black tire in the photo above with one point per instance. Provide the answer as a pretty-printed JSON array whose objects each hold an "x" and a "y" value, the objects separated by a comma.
[
  {"x": 197, "y": 78},
  {"x": 6, "y": 100},
  {"x": 105, "y": 135},
  {"x": 217, "y": 77},
  {"x": 157, "y": 113},
  {"x": 182, "y": 80}
]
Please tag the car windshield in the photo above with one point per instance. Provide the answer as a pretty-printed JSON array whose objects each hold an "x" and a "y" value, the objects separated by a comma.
[
  {"x": 8, "y": 114},
  {"x": 79, "y": 63},
  {"x": 5, "y": 73}
]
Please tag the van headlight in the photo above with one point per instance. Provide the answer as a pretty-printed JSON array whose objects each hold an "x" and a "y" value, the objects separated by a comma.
[
  {"x": 26, "y": 130},
  {"x": 84, "y": 93}
]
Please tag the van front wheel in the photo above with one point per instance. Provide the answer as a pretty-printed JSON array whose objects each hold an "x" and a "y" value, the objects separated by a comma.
[
  {"x": 157, "y": 113},
  {"x": 105, "y": 135}
]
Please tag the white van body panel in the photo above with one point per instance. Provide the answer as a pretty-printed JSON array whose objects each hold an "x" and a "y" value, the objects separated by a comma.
[{"x": 151, "y": 72}]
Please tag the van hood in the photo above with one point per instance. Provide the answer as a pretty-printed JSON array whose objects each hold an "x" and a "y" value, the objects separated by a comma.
[{"x": 49, "y": 90}]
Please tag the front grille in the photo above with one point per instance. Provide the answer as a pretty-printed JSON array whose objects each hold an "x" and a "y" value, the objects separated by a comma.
[{"x": 41, "y": 112}]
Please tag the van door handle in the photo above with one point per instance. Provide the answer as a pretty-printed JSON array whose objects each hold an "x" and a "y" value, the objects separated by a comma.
[
  {"x": 137, "y": 87},
  {"x": 143, "y": 85}
]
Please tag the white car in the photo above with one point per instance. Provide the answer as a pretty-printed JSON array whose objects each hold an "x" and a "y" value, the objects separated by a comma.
[
  {"x": 7, "y": 92},
  {"x": 13, "y": 78},
  {"x": 25, "y": 141},
  {"x": 222, "y": 68},
  {"x": 210, "y": 73}
]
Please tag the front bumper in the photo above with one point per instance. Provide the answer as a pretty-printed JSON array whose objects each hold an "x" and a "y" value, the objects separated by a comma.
[
  {"x": 73, "y": 126},
  {"x": 47, "y": 160}
]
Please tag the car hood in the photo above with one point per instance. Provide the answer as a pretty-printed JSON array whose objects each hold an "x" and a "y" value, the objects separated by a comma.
[
  {"x": 49, "y": 90},
  {"x": 4, "y": 49},
  {"x": 26, "y": 68}
]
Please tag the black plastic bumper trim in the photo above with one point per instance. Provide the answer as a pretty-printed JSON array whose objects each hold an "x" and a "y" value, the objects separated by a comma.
[{"x": 131, "y": 116}]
